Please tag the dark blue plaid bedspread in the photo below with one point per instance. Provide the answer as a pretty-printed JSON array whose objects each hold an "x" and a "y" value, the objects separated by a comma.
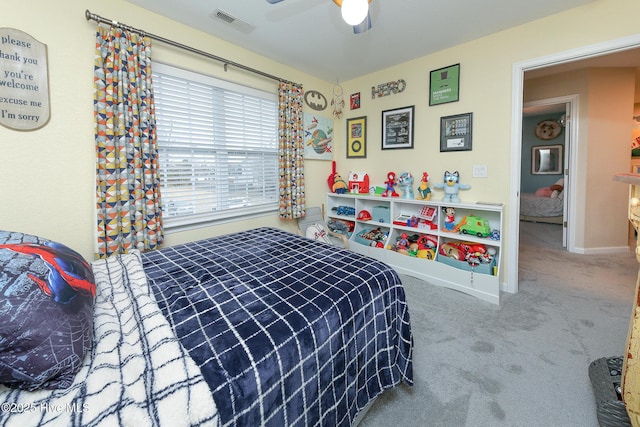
[{"x": 286, "y": 330}]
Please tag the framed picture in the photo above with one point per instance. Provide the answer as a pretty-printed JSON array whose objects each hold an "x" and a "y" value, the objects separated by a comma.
[
  {"x": 357, "y": 137},
  {"x": 456, "y": 132},
  {"x": 546, "y": 160},
  {"x": 397, "y": 128},
  {"x": 354, "y": 101},
  {"x": 444, "y": 85}
]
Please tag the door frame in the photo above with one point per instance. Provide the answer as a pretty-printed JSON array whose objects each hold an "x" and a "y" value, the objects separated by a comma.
[{"x": 517, "y": 85}]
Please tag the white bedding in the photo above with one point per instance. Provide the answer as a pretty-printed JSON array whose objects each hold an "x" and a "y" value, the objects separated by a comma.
[
  {"x": 137, "y": 374},
  {"x": 535, "y": 206}
]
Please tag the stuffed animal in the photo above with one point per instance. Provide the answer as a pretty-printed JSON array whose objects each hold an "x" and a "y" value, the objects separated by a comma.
[
  {"x": 339, "y": 184},
  {"x": 405, "y": 182},
  {"x": 451, "y": 186},
  {"x": 424, "y": 192}
]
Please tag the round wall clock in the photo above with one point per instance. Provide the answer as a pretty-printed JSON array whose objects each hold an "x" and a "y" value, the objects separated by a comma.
[{"x": 548, "y": 129}]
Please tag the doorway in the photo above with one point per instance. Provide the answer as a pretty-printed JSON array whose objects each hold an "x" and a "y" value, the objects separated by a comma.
[{"x": 599, "y": 51}]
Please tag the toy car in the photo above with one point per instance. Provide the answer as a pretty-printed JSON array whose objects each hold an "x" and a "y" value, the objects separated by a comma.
[{"x": 475, "y": 225}]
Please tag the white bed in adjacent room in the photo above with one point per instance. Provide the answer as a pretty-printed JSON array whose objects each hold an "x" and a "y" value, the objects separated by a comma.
[{"x": 541, "y": 208}]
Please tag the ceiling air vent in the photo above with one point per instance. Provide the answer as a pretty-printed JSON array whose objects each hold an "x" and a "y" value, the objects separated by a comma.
[{"x": 231, "y": 20}]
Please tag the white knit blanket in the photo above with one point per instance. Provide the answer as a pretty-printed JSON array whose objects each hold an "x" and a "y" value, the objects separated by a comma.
[{"x": 137, "y": 374}]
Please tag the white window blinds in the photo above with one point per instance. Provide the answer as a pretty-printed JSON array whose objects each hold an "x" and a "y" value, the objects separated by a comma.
[{"x": 218, "y": 147}]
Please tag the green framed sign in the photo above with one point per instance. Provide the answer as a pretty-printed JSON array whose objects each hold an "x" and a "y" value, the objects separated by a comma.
[{"x": 444, "y": 85}]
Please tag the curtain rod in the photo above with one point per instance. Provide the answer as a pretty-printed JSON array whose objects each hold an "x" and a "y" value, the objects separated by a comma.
[{"x": 99, "y": 19}]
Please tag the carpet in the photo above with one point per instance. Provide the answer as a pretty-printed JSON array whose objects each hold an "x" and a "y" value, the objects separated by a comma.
[{"x": 524, "y": 362}]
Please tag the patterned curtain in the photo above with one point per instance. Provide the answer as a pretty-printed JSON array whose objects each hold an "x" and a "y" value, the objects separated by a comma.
[
  {"x": 127, "y": 172},
  {"x": 291, "y": 151}
]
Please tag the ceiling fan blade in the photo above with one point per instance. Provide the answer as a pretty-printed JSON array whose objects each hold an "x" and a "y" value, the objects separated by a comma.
[
  {"x": 363, "y": 26},
  {"x": 290, "y": 10}
]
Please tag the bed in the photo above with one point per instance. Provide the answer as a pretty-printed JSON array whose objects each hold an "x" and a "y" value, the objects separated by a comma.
[
  {"x": 541, "y": 208},
  {"x": 262, "y": 327}
]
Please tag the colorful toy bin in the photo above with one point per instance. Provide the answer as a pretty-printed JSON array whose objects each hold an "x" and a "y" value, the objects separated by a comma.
[{"x": 372, "y": 237}]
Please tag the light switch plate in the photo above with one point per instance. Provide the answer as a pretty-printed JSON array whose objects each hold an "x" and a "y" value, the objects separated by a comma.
[{"x": 479, "y": 171}]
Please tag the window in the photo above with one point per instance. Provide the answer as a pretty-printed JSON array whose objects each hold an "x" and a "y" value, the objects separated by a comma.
[{"x": 218, "y": 147}]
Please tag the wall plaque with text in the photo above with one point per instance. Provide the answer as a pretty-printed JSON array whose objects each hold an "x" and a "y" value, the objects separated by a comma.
[{"x": 24, "y": 85}]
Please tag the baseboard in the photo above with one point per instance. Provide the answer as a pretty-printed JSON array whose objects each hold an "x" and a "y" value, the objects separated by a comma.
[{"x": 603, "y": 251}]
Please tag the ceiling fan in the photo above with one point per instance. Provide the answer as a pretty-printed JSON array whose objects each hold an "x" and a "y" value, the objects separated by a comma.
[{"x": 354, "y": 12}]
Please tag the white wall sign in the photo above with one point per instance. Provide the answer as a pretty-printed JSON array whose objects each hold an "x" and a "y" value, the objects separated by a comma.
[{"x": 24, "y": 85}]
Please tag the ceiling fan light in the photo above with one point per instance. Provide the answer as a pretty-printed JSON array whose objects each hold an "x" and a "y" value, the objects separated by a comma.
[{"x": 354, "y": 11}]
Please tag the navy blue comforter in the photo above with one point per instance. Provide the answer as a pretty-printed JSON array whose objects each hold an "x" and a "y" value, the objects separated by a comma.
[{"x": 286, "y": 330}]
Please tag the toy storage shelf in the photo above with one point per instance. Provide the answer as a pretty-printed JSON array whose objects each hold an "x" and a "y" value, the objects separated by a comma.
[{"x": 381, "y": 237}]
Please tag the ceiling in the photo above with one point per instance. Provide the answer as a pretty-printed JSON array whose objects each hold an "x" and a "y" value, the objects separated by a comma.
[{"x": 310, "y": 35}]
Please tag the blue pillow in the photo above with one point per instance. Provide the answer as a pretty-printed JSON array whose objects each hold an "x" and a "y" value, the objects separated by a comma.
[{"x": 46, "y": 311}]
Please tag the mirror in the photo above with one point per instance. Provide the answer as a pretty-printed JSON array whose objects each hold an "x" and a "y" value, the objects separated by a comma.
[{"x": 546, "y": 160}]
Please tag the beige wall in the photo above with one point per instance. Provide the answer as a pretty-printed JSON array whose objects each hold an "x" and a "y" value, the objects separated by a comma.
[
  {"x": 47, "y": 176},
  {"x": 611, "y": 94}
]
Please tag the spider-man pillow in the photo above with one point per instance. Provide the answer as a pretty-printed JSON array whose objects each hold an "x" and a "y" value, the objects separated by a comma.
[{"x": 46, "y": 309}]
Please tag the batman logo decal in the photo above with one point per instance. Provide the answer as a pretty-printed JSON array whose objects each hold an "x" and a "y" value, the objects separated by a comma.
[{"x": 315, "y": 100}]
